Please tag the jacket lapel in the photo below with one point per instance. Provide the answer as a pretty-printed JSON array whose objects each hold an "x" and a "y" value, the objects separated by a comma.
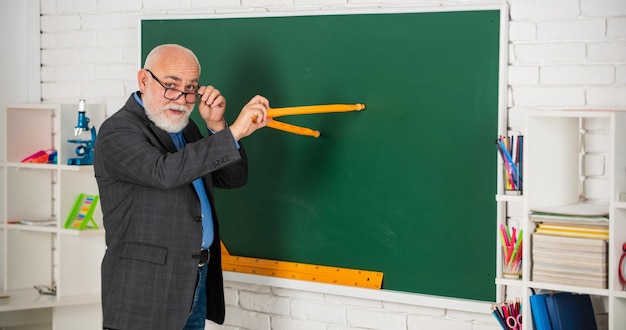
[{"x": 164, "y": 137}]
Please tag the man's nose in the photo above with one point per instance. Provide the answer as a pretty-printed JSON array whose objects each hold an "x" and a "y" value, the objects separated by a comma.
[{"x": 181, "y": 100}]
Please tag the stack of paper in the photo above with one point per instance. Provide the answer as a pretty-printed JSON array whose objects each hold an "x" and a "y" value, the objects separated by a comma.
[
  {"x": 33, "y": 222},
  {"x": 569, "y": 246},
  {"x": 581, "y": 231}
]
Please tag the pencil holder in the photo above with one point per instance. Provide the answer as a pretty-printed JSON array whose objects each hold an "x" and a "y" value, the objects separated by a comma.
[
  {"x": 511, "y": 267},
  {"x": 509, "y": 183}
]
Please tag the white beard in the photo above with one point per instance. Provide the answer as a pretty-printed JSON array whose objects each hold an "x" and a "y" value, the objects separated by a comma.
[{"x": 160, "y": 119}]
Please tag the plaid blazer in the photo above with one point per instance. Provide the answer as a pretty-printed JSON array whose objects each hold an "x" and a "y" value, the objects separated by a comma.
[{"x": 151, "y": 215}]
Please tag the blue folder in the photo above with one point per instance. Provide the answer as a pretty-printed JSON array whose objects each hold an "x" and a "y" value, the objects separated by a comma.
[
  {"x": 539, "y": 312},
  {"x": 571, "y": 312}
]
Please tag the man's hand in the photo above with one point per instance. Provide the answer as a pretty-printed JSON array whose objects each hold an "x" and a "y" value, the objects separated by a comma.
[
  {"x": 252, "y": 117},
  {"x": 212, "y": 106}
]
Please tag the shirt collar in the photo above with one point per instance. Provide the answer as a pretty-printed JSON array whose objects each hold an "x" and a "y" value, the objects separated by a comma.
[{"x": 138, "y": 98}]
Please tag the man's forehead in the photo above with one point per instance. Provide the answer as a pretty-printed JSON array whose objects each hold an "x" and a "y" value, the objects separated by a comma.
[
  {"x": 178, "y": 72},
  {"x": 181, "y": 78}
]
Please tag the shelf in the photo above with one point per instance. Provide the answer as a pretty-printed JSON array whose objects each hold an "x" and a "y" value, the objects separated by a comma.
[
  {"x": 34, "y": 254},
  {"x": 53, "y": 229},
  {"x": 568, "y": 288},
  {"x": 86, "y": 232},
  {"x": 620, "y": 205},
  {"x": 18, "y": 166},
  {"x": 571, "y": 113},
  {"x": 509, "y": 282},
  {"x": 590, "y": 166},
  {"x": 31, "y": 299},
  {"x": 509, "y": 198},
  {"x": 20, "y": 227}
]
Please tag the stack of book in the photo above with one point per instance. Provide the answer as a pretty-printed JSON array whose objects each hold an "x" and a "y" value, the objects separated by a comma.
[{"x": 569, "y": 245}]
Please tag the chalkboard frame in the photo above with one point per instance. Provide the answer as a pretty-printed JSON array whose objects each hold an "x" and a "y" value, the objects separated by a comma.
[{"x": 391, "y": 295}]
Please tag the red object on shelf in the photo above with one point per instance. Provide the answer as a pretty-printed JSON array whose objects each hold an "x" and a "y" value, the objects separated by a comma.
[{"x": 42, "y": 157}]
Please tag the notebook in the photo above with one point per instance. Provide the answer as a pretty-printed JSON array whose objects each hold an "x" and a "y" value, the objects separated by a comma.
[
  {"x": 539, "y": 311},
  {"x": 570, "y": 312}
]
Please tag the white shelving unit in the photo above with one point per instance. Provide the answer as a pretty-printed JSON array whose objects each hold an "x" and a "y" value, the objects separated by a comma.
[
  {"x": 53, "y": 256},
  {"x": 554, "y": 175}
]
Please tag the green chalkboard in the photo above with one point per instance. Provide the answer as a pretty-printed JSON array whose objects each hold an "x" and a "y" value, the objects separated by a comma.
[{"x": 405, "y": 187}]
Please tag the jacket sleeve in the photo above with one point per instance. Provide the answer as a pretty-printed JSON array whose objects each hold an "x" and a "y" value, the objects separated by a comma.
[{"x": 129, "y": 150}]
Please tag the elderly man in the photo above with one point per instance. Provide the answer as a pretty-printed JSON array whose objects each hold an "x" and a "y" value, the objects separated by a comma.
[{"x": 156, "y": 174}]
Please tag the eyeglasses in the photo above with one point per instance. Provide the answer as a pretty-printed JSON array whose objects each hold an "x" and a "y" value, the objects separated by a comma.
[{"x": 174, "y": 94}]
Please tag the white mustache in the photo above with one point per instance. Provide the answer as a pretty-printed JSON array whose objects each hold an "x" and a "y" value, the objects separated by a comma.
[{"x": 176, "y": 107}]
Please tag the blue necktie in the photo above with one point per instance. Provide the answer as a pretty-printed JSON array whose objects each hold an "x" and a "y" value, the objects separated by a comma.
[{"x": 207, "y": 217}]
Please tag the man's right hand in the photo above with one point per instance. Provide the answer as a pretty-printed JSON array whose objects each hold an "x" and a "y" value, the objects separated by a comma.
[{"x": 252, "y": 117}]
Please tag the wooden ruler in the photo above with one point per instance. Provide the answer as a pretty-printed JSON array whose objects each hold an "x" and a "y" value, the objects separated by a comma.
[{"x": 299, "y": 271}]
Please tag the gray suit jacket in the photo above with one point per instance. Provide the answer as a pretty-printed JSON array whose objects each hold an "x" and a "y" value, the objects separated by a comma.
[{"x": 152, "y": 218}]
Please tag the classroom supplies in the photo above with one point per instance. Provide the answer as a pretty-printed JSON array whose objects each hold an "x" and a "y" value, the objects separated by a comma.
[
  {"x": 293, "y": 128},
  {"x": 301, "y": 271},
  {"x": 562, "y": 310},
  {"x": 81, "y": 216},
  {"x": 511, "y": 152},
  {"x": 578, "y": 216},
  {"x": 498, "y": 315},
  {"x": 514, "y": 322},
  {"x": 570, "y": 260},
  {"x": 314, "y": 109},
  {"x": 33, "y": 222},
  {"x": 305, "y": 110},
  {"x": 570, "y": 245},
  {"x": 582, "y": 211},
  {"x": 569, "y": 311},
  {"x": 48, "y": 156},
  {"x": 511, "y": 251},
  {"x": 539, "y": 312},
  {"x": 580, "y": 231},
  {"x": 50, "y": 290},
  {"x": 84, "y": 150},
  {"x": 508, "y": 314}
]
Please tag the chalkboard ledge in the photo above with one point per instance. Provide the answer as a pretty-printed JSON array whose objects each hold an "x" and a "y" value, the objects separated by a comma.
[{"x": 457, "y": 304}]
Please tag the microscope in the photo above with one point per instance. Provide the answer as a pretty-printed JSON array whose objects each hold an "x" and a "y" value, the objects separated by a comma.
[{"x": 85, "y": 147}]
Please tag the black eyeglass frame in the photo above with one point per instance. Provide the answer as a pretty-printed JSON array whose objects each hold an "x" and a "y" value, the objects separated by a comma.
[{"x": 197, "y": 95}]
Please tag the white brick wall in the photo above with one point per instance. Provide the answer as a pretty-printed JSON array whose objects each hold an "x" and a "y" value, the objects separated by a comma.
[
  {"x": 562, "y": 54},
  {"x": 263, "y": 308}
]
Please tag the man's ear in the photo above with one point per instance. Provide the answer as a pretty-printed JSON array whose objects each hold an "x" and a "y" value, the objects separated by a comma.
[{"x": 142, "y": 80}]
